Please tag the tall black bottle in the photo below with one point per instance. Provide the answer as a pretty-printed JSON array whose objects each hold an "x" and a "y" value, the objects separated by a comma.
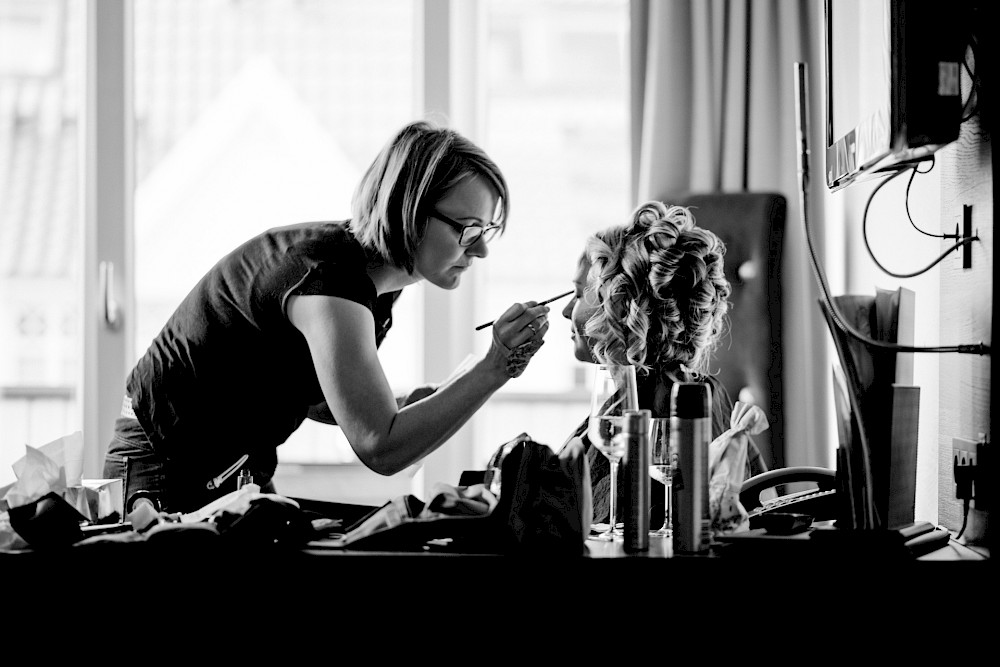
[
  {"x": 690, "y": 436},
  {"x": 636, "y": 432}
]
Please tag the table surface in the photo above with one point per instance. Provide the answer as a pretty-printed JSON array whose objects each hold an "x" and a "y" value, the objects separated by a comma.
[
  {"x": 297, "y": 578},
  {"x": 663, "y": 548},
  {"x": 779, "y": 548}
]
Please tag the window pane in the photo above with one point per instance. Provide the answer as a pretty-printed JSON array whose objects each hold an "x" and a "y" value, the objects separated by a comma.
[
  {"x": 557, "y": 123},
  {"x": 41, "y": 46},
  {"x": 252, "y": 115}
]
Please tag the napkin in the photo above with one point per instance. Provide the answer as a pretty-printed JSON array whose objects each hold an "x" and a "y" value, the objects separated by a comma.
[
  {"x": 50, "y": 468},
  {"x": 446, "y": 501},
  {"x": 235, "y": 502},
  {"x": 727, "y": 458}
]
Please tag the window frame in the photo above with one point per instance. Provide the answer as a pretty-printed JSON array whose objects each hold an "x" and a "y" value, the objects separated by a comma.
[
  {"x": 107, "y": 196},
  {"x": 451, "y": 87}
]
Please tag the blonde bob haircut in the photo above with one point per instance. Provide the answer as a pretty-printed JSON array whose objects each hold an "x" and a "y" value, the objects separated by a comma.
[
  {"x": 413, "y": 171},
  {"x": 662, "y": 291}
]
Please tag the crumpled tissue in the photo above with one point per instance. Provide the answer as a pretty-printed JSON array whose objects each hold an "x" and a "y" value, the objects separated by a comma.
[
  {"x": 57, "y": 467},
  {"x": 727, "y": 458},
  {"x": 51, "y": 468}
]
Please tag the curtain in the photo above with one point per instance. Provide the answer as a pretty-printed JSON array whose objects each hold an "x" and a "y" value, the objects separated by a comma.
[{"x": 713, "y": 110}]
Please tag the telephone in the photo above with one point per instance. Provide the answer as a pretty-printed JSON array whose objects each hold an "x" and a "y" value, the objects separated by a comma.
[{"x": 766, "y": 492}]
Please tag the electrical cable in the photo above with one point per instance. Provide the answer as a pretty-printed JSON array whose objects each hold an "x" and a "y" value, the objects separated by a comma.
[
  {"x": 909, "y": 217},
  {"x": 803, "y": 172},
  {"x": 965, "y": 517},
  {"x": 864, "y": 232},
  {"x": 973, "y": 95},
  {"x": 974, "y": 87}
]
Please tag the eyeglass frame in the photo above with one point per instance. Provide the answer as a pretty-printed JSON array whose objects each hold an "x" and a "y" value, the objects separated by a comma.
[{"x": 486, "y": 232}]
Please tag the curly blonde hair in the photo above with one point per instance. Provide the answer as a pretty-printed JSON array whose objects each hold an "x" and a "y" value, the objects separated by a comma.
[{"x": 663, "y": 295}]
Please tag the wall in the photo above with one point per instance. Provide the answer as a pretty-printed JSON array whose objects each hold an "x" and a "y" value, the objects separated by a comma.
[
  {"x": 954, "y": 305},
  {"x": 966, "y": 311}
]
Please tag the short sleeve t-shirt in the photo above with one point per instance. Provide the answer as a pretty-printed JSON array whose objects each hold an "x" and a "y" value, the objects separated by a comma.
[{"x": 228, "y": 374}]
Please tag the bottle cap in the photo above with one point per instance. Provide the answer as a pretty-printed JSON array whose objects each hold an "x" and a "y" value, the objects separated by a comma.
[
  {"x": 244, "y": 478},
  {"x": 690, "y": 400}
]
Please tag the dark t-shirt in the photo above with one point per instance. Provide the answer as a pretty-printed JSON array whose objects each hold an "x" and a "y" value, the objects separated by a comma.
[{"x": 228, "y": 374}]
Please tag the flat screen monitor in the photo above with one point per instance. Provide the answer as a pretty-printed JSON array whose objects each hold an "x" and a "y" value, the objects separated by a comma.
[{"x": 893, "y": 87}]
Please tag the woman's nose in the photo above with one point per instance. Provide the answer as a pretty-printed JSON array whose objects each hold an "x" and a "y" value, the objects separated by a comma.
[
  {"x": 567, "y": 310},
  {"x": 478, "y": 249}
]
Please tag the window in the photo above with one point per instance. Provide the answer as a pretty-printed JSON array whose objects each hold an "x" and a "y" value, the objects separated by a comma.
[
  {"x": 40, "y": 263},
  {"x": 556, "y": 110},
  {"x": 250, "y": 114}
]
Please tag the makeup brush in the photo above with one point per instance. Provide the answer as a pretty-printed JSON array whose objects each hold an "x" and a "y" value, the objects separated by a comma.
[{"x": 488, "y": 324}]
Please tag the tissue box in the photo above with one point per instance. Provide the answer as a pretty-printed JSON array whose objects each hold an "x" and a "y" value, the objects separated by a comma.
[{"x": 98, "y": 500}]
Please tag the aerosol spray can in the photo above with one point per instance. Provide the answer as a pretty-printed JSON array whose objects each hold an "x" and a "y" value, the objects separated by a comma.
[
  {"x": 690, "y": 436},
  {"x": 636, "y": 432}
]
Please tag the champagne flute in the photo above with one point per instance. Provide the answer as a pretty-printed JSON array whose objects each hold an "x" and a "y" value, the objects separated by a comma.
[
  {"x": 661, "y": 468},
  {"x": 614, "y": 392}
]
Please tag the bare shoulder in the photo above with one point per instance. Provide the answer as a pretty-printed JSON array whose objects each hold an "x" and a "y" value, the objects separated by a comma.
[{"x": 317, "y": 313}]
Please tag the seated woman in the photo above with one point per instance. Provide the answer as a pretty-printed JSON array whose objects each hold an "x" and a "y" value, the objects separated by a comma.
[{"x": 652, "y": 293}]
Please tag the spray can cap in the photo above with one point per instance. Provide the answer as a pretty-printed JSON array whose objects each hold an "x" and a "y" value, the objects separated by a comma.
[{"x": 690, "y": 400}]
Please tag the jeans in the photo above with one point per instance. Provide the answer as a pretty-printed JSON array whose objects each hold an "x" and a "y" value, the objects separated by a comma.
[{"x": 144, "y": 473}]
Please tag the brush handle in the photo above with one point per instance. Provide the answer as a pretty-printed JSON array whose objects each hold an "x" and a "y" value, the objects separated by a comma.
[{"x": 547, "y": 301}]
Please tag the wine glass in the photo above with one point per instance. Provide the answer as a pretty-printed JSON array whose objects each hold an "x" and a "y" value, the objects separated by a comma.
[
  {"x": 614, "y": 392},
  {"x": 661, "y": 468}
]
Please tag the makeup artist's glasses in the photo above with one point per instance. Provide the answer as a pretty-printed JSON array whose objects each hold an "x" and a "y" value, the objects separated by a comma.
[{"x": 468, "y": 234}]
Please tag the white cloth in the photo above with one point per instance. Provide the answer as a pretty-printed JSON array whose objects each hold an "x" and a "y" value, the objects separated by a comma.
[{"x": 727, "y": 458}]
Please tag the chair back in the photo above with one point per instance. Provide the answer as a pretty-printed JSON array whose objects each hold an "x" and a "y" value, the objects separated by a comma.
[{"x": 749, "y": 359}]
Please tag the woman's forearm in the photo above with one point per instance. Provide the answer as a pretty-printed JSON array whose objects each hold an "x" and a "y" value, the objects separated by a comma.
[{"x": 422, "y": 426}]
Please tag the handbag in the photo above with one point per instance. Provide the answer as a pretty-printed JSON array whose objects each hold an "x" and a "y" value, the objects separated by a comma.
[
  {"x": 542, "y": 506},
  {"x": 546, "y": 502}
]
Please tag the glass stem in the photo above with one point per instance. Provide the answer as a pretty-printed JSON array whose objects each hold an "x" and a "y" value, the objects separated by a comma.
[
  {"x": 612, "y": 515},
  {"x": 666, "y": 507}
]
